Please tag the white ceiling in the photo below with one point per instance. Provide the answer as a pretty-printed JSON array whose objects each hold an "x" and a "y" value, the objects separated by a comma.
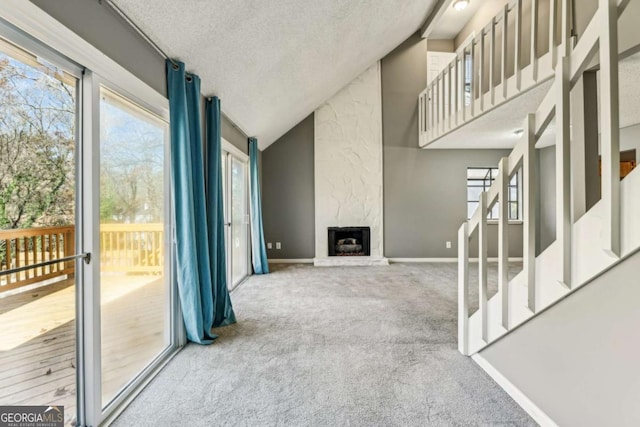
[
  {"x": 453, "y": 21},
  {"x": 496, "y": 128},
  {"x": 629, "y": 90},
  {"x": 272, "y": 63}
]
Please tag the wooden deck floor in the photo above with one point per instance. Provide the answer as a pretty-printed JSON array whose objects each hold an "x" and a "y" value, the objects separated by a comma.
[{"x": 37, "y": 354}]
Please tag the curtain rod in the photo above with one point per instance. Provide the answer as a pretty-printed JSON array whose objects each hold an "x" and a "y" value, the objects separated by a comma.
[
  {"x": 144, "y": 35},
  {"x": 153, "y": 44}
]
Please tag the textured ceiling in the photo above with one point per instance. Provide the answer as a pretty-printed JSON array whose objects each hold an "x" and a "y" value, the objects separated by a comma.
[
  {"x": 496, "y": 128},
  {"x": 452, "y": 21},
  {"x": 272, "y": 63},
  {"x": 629, "y": 90}
]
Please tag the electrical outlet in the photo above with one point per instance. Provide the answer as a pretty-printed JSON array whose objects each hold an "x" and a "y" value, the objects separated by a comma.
[
  {"x": 278, "y": 245},
  {"x": 448, "y": 244},
  {"x": 269, "y": 245}
]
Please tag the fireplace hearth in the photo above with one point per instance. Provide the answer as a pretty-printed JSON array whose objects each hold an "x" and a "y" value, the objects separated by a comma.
[{"x": 349, "y": 241}]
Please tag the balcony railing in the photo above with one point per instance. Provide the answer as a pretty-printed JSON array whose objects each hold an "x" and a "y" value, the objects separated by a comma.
[
  {"x": 516, "y": 51},
  {"x": 127, "y": 248}
]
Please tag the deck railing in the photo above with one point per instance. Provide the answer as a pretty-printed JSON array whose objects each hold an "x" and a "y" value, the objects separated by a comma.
[
  {"x": 132, "y": 248},
  {"x": 24, "y": 247},
  {"x": 128, "y": 248}
]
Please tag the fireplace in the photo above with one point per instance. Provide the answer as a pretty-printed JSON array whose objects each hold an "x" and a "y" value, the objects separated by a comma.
[{"x": 349, "y": 241}]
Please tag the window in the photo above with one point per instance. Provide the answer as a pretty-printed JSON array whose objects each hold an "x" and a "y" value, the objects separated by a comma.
[
  {"x": 480, "y": 180},
  {"x": 134, "y": 285},
  {"x": 468, "y": 76}
]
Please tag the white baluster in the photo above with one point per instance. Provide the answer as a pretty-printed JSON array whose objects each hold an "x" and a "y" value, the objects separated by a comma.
[
  {"x": 463, "y": 289},
  {"x": 610, "y": 125},
  {"x": 518, "y": 43},
  {"x": 482, "y": 267},
  {"x": 529, "y": 210},
  {"x": 534, "y": 40},
  {"x": 563, "y": 169},
  {"x": 503, "y": 238}
]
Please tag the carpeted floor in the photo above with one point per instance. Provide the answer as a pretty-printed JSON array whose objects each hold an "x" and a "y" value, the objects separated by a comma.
[{"x": 358, "y": 346}]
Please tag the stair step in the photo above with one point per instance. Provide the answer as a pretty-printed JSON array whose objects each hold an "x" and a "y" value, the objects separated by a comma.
[{"x": 588, "y": 260}]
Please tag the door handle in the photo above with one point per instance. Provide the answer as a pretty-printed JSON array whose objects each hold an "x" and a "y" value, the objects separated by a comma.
[{"x": 85, "y": 256}]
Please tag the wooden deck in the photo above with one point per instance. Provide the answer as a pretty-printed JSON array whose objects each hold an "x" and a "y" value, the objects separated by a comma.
[{"x": 37, "y": 339}]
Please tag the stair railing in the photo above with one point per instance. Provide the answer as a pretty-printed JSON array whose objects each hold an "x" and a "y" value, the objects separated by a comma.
[{"x": 600, "y": 36}]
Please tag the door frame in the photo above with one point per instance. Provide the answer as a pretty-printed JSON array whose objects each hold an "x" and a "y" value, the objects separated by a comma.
[
  {"x": 32, "y": 28},
  {"x": 234, "y": 151},
  {"x": 95, "y": 412}
]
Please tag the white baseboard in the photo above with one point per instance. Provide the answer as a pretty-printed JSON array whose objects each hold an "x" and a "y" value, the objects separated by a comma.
[
  {"x": 520, "y": 398},
  {"x": 513, "y": 259},
  {"x": 423, "y": 259},
  {"x": 350, "y": 261},
  {"x": 407, "y": 260}
]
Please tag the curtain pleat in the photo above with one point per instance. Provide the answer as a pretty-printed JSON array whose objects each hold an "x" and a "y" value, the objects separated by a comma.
[
  {"x": 223, "y": 310},
  {"x": 198, "y": 291},
  {"x": 258, "y": 250}
]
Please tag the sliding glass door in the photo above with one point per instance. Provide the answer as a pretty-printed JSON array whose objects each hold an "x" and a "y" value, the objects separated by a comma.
[
  {"x": 134, "y": 282},
  {"x": 87, "y": 306},
  {"x": 38, "y": 181},
  {"x": 235, "y": 171}
]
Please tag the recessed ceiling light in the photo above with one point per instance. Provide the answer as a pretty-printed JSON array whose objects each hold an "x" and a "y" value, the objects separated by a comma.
[{"x": 460, "y": 4}]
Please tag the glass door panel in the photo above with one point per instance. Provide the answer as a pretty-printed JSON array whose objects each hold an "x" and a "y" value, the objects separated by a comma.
[
  {"x": 134, "y": 282},
  {"x": 37, "y": 225},
  {"x": 239, "y": 223}
]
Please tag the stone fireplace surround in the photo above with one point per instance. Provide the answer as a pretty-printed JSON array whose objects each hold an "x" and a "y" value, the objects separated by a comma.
[{"x": 348, "y": 167}]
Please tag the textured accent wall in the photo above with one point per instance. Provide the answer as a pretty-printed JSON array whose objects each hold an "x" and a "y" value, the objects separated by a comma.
[{"x": 348, "y": 161}]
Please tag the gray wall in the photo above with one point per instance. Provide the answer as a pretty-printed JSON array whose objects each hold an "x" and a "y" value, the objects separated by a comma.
[
  {"x": 578, "y": 362},
  {"x": 101, "y": 27},
  {"x": 546, "y": 206},
  {"x": 234, "y": 135},
  {"x": 288, "y": 193},
  {"x": 424, "y": 190}
]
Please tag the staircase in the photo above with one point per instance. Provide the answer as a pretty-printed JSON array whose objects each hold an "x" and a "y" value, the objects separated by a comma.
[{"x": 583, "y": 248}]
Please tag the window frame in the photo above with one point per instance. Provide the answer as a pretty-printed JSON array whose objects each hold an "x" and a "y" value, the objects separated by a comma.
[{"x": 492, "y": 173}]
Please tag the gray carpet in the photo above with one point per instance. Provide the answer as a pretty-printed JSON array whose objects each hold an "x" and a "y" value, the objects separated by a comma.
[{"x": 358, "y": 346}]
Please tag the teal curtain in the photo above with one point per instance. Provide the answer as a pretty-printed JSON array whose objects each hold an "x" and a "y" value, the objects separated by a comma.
[
  {"x": 258, "y": 250},
  {"x": 222, "y": 309},
  {"x": 193, "y": 267}
]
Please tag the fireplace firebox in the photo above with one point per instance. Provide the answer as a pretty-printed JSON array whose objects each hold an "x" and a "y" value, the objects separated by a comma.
[{"x": 349, "y": 241}]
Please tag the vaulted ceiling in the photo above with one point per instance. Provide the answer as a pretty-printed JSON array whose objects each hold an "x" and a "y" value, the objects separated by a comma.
[{"x": 272, "y": 63}]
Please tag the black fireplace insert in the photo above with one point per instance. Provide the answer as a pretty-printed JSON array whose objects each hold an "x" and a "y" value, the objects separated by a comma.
[{"x": 349, "y": 241}]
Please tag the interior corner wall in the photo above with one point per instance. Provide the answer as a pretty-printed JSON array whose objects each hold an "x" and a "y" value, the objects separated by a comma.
[
  {"x": 234, "y": 135},
  {"x": 104, "y": 29},
  {"x": 288, "y": 194},
  {"x": 425, "y": 191}
]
